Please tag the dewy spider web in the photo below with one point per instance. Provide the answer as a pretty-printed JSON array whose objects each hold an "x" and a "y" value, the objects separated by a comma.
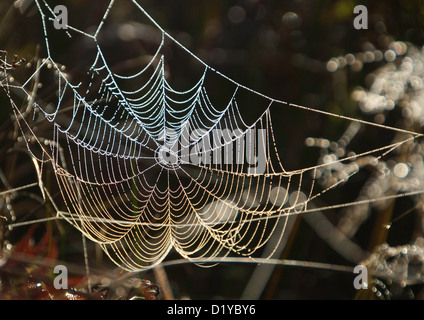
[{"x": 147, "y": 168}]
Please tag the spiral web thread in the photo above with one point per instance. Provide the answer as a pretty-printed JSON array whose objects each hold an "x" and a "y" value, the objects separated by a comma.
[{"x": 149, "y": 169}]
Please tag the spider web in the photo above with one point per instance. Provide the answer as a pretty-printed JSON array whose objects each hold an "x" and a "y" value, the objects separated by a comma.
[{"x": 145, "y": 168}]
